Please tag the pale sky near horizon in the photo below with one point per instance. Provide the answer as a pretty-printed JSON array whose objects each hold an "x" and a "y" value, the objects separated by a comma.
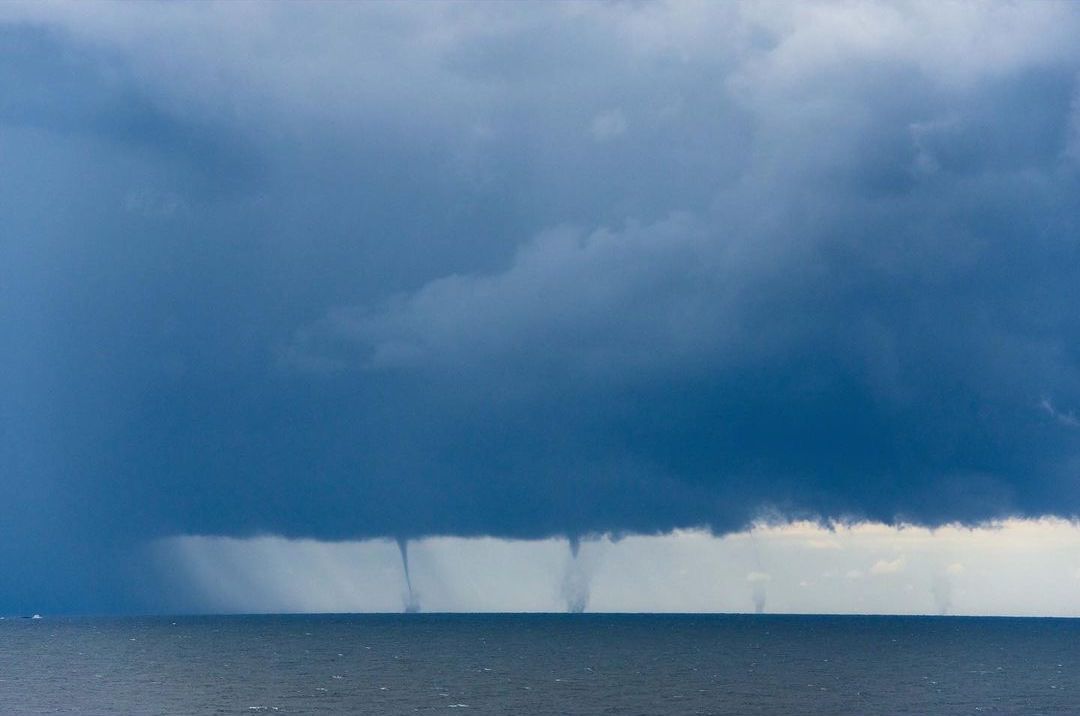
[{"x": 1015, "y": 568}]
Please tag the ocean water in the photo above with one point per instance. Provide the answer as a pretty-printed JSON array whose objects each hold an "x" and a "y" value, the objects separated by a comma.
[{"x": 540, "y": 664}]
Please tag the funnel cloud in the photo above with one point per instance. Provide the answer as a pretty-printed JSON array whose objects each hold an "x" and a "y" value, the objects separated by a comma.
[
  {"x": 412, "y": 601},
  {"x": 576, "y": 578}
]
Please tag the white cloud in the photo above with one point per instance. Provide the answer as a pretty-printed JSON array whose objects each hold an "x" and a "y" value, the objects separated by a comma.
[{"x": 883, "y": 566}]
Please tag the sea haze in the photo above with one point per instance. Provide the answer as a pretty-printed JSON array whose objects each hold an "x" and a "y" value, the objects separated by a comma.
[{"x": 540, "y": 664}]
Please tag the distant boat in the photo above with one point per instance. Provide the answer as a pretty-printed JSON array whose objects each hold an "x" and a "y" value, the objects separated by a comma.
[{"x": 36, "y": 616}]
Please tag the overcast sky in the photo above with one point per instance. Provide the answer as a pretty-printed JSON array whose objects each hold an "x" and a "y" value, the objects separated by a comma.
[{"x": 359, "y": 271}]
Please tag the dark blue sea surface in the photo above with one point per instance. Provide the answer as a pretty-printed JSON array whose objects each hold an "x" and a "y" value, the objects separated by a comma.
[{"x": 540, "y": 664}]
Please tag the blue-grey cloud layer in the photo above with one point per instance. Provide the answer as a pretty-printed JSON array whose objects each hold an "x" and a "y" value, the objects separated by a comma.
[{"x": 353, "y": 270}]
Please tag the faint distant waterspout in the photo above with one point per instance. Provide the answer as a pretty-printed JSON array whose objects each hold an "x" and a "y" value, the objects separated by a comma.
[
  {"x": 942, "y": 591},
  {"x": 758, "y": 593},
  {"x": 758, "y": 578},
  {"x": 759, "y": 598},
  {"x": 412, "y": 601},
  {"x": 575, "y": 586}
]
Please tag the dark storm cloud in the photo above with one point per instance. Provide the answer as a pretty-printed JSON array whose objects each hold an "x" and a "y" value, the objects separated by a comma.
[{"x": 398, "y": 270}]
